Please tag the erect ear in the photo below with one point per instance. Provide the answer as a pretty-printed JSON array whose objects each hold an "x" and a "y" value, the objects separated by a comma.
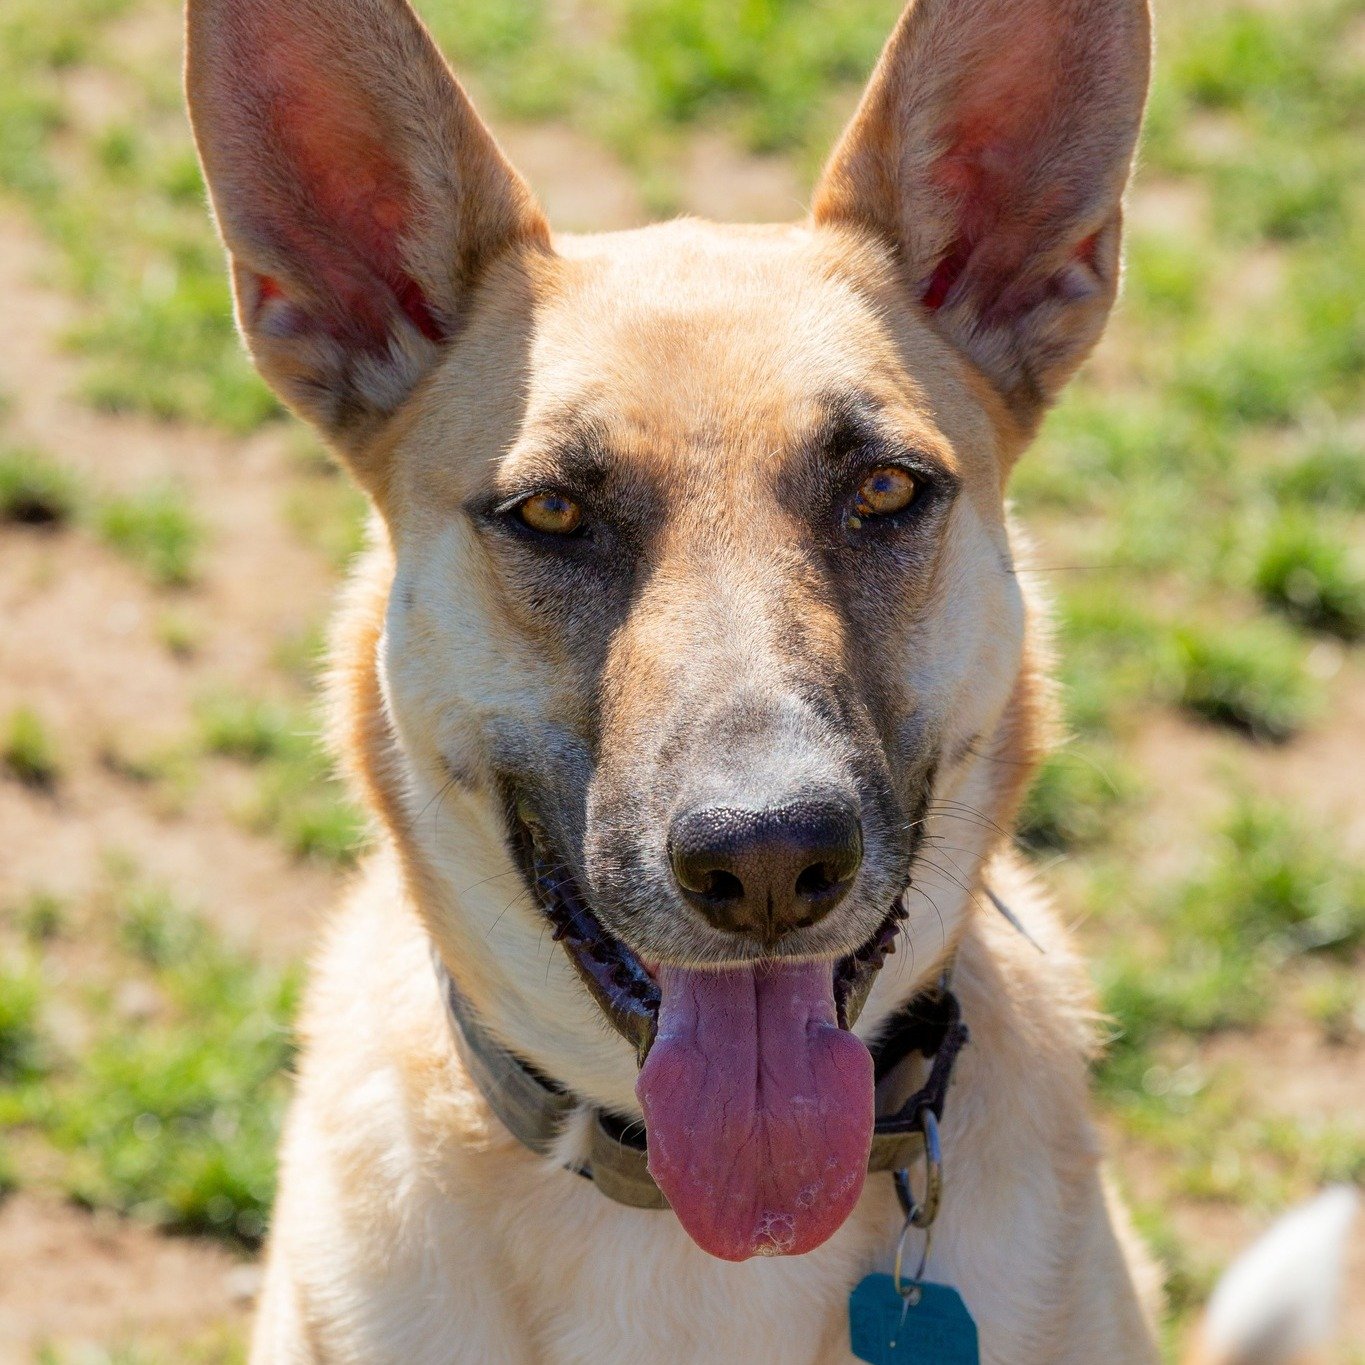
[
  {"x": 357, "y": 192},
  {"x": 991, "y": 149}
]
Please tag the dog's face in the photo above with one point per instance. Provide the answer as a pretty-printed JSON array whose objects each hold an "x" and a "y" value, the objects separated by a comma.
[
  {"x": 704, "y": 543},
  {"x": 703, "y": 596}
]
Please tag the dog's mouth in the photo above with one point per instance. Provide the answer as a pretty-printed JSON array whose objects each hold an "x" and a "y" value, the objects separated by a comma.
[{"x": 758, "y": 1099}]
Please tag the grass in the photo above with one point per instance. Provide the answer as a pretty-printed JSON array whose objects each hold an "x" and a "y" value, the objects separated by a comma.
[
  {"x": 28, "y": 751},
  {"x": 1330, "y": 472},
  {"x": 1248, "y": 675},
  {"x": 40, "y": 916},
  {"x": 1336, "y": 1004},
  {"x": 298, "y": 798},
  {"x": 1269, "y": 892},
  {"x": 34, "y": 490},
  {"x": 155, "y": 527},
  {"x": 21, "y": 1045},
  {"x": 158, "y": 334},
  {"x": 182, "y": 634},
  {"x": 1310, "y": 574},
  {"x": 158, "y": 531},
  {"x": 169, "y": 1113},
  {"x": 1076, "y": 801},
  {"x": 763, "y": 69},
  {"x": 217, "y": 1346}
]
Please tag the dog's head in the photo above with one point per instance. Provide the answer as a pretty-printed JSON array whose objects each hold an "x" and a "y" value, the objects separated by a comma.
[{"x": 702, "y": 601}]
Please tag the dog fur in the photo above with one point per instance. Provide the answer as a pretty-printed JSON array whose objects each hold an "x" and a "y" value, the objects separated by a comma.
[{"x": 398, "y": 286}]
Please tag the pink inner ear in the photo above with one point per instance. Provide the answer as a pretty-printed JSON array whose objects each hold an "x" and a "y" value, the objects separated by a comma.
[
  {"x": 989, "y": 168},
  {"x": 348, "y": 202}
]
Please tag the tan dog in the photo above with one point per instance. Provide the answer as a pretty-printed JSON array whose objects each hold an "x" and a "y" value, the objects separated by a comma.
[{"x": 694, "y": 631}]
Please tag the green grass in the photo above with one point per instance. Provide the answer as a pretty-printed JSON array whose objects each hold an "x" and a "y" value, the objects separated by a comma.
[
  {"x": 34, "y": 490},
  {"x": 155, "y": 528},
  {"x": 170, "y": 1114},
  {"x": 1309, "y": 573},
  {"x": 158, "y": 531},
  {"x": 217, "y": 1346},
  {"x": 764, "y": 69},
  {"x": 1336, "y": 1004},
  {"x": 1269, "y": 891},
  {"x": 21, "y": 1043},
  {"x": 248, "y": 728},
  {"x": 1076, "y": 801},
  {"x": 40, "y": 916},
  {"x": 1330, "y": 473},
  {"x": 1249, "y": 676},
  {"x": 330, "y": 515},
  {"x": 298, "y": 798},
  {"x": 158, "y": 331},
  {"x": 181, "y": 632},
  {"x": 28, "y": 751}
]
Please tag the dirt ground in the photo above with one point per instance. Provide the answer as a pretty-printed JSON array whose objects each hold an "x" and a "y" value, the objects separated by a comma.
[{"x": 80, "y": 629}]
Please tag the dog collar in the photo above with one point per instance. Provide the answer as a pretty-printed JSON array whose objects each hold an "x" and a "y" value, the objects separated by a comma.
[{"x": 534, "y": 1108}]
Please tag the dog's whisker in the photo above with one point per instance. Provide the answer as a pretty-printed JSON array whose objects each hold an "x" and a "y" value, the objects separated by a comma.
[
  {"x": 483, "y": 881},
  {"x": 436, "y": 796},
  {"x": 942, "y": 927}
]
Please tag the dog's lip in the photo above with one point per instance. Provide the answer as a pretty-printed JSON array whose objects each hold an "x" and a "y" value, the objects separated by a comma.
[{"x": 624, "y": 982}]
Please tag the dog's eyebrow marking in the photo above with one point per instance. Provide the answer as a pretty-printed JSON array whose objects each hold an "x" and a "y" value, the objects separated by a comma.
[
  {"x": 850, "y": 423},
  {"x": 853, "y": 424},
  {"x": 566, "y": 447}
]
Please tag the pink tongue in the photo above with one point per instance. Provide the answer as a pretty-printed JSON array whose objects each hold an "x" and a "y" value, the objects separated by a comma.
[{"x": 758, "y": 1108}]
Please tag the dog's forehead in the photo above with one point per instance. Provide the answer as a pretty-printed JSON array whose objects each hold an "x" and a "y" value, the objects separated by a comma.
[
  {"x": 692, "y": 323},
  {"x": 699, "y": 337},
  {"x": 692, "y": 339}
]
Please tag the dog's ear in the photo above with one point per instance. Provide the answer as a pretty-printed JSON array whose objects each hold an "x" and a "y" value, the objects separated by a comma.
[
  {"x": 991, "y": 149},
  {"x": 357, "y": 192}
]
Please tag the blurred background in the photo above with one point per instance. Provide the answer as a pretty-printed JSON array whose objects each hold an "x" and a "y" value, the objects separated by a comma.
[{"x": 170, "y": 545}]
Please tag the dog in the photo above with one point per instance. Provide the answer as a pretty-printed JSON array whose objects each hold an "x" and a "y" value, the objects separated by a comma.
[{"x": 693, "y": 671}]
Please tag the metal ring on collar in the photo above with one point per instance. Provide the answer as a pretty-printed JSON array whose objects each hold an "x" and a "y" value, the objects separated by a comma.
[{"x": 921, "y": 1213}]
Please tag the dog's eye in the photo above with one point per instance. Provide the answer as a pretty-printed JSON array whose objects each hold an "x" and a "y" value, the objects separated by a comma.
[
  {"x": 883, "y": 493},
  {"x": 552, "y": 514}
]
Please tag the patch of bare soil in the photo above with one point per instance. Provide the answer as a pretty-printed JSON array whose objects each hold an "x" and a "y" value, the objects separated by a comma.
[
  {"x": 1187, "y": 765},
  {"x": 72, "y": 1280},
  {"x": 721, "y": 181},
  {"x": 581, "y": 187}
]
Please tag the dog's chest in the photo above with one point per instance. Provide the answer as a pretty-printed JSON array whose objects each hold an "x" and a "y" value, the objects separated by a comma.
[{"x": 635, "y": 1288}]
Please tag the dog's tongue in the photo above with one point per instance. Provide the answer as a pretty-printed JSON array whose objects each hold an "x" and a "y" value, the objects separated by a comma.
[{"x": 758, "y": 1107}]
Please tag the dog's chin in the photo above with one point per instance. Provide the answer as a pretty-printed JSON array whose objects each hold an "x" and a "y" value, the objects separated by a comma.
[{"x": 757, "y": 1097}]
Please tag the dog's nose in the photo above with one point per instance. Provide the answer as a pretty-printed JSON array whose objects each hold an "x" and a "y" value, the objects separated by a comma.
[{"x": 763, "y": 873}]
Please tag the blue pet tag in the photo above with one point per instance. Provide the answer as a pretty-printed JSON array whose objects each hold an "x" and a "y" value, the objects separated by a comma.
[{"x": 889, "y": 1330}]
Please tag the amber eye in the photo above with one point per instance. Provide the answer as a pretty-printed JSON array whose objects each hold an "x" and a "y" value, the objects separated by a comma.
[
  {"x": 551, "y": 513},
  {"x": 883, "y": 493}
]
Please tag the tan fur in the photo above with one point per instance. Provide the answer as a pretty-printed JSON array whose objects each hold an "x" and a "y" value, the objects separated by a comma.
[{"x": 407, "y": 298}]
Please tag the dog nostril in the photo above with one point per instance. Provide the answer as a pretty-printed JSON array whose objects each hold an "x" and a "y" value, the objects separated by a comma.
[
  {"x": 816, "y": 880},
  {"x": 722, "y": 886}
]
